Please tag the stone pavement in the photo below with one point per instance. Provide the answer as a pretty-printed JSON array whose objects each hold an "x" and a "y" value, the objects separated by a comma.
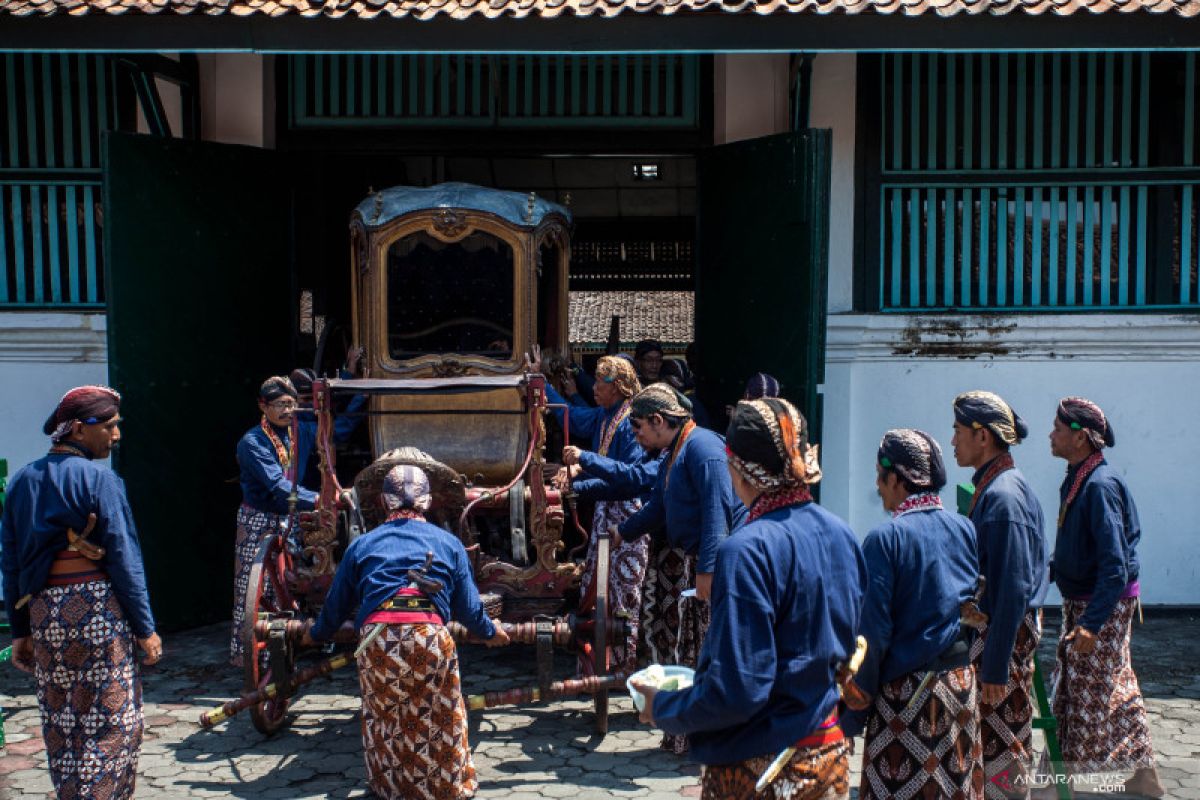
[{"x": 521, "y": 753}]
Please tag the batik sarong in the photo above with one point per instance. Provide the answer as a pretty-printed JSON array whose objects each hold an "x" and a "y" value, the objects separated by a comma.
[
  {"x": 414, "y": 721},
  {"x": 626, "y": 573},
  {"x": 1006, "y": 730},
  {"x": 821, "y": 772},
  {"x": 88, "y": 689},
  {"x": 673, "y": 626},
  {"x": 253, "y": 527},
  {"x": 1101, "y": 717},
  {"x": 929, "y": 749}
]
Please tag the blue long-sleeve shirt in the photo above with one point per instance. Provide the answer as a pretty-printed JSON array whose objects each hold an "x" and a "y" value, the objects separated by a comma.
[
  {"x": 1010, "y": 537},
  {"x": 45, "y": 498},
  {"x": 606, "y": 479},
  {"x": 922, "y": 566},
  {"x": 1095, "y": 553},
  {"x": 265, "y": 486},
  {"x": 590, "y": 421},
  {"x": 698, "y": 508},
  {"x": 375, "y": 566},
  {"x": 786, "y": 598}
]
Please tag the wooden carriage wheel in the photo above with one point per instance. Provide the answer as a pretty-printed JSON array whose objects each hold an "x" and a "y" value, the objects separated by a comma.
[
  {"x": 600, "y": 630},
  {"x": 262, "y": 659}
]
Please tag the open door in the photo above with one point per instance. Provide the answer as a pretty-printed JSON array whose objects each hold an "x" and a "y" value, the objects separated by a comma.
[
  {"x": 200, "y": 302},
  {"x": 763, "y": 243}
]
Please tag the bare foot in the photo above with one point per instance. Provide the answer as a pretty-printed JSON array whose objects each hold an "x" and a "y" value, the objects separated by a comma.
[{"x": 1145, "y": 783}]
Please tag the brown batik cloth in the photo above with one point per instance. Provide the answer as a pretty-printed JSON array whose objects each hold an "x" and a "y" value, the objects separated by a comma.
[
  {"x": 930, "y": 750},
  {"x": 88, "y": 690},
  {"x": 673, "y": 627},
  {"x": 626, "y": 573},
  {"x": 1097, "y": 701},
  {"x": 1006, "y": 730},
  {"x": 253, "y": 527},
  {"x": 821, "y": 772},
  {"x": 414, "y": 721}
]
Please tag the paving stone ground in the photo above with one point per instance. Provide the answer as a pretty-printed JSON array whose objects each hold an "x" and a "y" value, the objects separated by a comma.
[{"x": 521, "y": 753}]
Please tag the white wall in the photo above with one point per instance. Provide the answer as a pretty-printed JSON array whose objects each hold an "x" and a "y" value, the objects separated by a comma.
[
  {"x": 832, "y": 106},
  {"x": 886, "y": 371},
  {"x": 42, "y": 355},
  {"x": 237, "y": 98},
  {"x": 750, "y": 96}
]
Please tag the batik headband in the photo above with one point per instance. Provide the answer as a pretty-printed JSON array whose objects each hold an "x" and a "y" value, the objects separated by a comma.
[
  {"x": 979, "y": 409},
  {"x": 1082, "y": 414},
  {"x": 406, "y": 486},
  {"x": 767, "y": 444},
  {"x": 915, "y": 456}
]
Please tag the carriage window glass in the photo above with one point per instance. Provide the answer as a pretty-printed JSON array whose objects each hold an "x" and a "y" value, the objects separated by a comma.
[{"x": 450, "y": 298}]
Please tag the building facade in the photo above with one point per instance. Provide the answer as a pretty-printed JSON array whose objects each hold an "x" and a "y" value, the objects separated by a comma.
[{"x": 1021, "y": 220}]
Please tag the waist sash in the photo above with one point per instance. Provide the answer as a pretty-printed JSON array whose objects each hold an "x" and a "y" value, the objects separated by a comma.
[
  {"x": 406, "y": 607},
  {"x": 828, "y": 731},
  {"x": 70, "y": 568}
]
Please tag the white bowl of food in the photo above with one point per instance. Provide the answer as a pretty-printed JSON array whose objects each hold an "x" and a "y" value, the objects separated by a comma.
[{"x": 669, "y": 678}]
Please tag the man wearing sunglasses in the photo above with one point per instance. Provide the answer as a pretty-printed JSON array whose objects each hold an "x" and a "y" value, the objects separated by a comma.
[
  {"x": 693, "y": 500},
  {"x": 75, "y": 591},
  {"x": 268, "y": 460}
]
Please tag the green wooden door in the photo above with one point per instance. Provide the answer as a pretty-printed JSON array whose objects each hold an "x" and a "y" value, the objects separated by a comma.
[
  {"x": 763, "y": 234},
  {"x": 199, "y": 296}
]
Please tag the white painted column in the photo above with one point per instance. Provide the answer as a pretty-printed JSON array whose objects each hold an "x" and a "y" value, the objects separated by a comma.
[
  {"x": 237, "y": 98},
  {"x": 832, "y": 106}
]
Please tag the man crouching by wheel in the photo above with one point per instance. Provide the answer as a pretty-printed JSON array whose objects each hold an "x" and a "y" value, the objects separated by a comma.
[{"x": 407, "y": 578}]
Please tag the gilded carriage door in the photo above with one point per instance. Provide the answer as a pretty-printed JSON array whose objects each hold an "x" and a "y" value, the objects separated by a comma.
[
  {"x": 199, "y": 311},
  {"x": 763, "y": 219}
]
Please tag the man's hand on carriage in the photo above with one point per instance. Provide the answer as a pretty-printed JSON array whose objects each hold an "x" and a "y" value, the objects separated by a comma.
[
  {"x": 307, "y": 640},
  {"x": 500, "y": 638},
  {"x": 534, "y": 362},
  {"x": 153, "y": 648},
  {"x": 354, "y": 357},
  {"x": 570, "y": 455},
  {"x": 22, "y": 653},
  {"x": 614, "y": 538}
]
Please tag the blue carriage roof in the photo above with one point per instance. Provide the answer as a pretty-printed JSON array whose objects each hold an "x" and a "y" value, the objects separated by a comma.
[{"x": 510, "y": 206}]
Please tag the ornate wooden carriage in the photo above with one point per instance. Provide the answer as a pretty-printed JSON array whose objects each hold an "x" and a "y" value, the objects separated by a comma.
[{"x": 452, "y": 286}]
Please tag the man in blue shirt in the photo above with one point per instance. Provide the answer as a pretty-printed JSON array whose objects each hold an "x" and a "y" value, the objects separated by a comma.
[
  {"x": 1101, "y": 716},
  {"x": 402, "y": 582},
  {"x": 923, "y": 567},
  {"x": 786, "y": 596},
  {"x": 1012, "y": 559},
  {"x": 75, "y": 589},
  {"x": 693, "y": 501}
]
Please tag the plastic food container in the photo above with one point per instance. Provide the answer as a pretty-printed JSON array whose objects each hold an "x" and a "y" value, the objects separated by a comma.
[{"x": 673, "y": 678}]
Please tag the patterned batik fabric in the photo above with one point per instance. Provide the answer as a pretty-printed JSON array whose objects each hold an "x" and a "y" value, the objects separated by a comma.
[
  {"x": 673, "y": 626},
  {"x": 1101, "y": 716},
  {"x": 414, "y": 721},
  {"x": 929, "y": 749},
  {"x": 253, "y": 527},
  {"x": 626, "y": 573},
  {"x": 88, "y": 690},
  {"x": 1006, "y": 730},
  {"x": 814, "y": 773}
]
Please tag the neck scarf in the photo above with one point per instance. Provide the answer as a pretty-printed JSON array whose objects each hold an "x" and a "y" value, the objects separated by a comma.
[
  {"x": 281, "y": 450},
  {"x": 610, "y": 428},
  {"x": 1085, "y": 470},
  {"x": 684, "y": 433},
  {"x": 404, "y": 513},
  {"x": 1002, "y": 463},
  {"x": 767, "y": 502},
  {"x": 72, "y": 449},
  {"x": 924, "y": 501}
]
